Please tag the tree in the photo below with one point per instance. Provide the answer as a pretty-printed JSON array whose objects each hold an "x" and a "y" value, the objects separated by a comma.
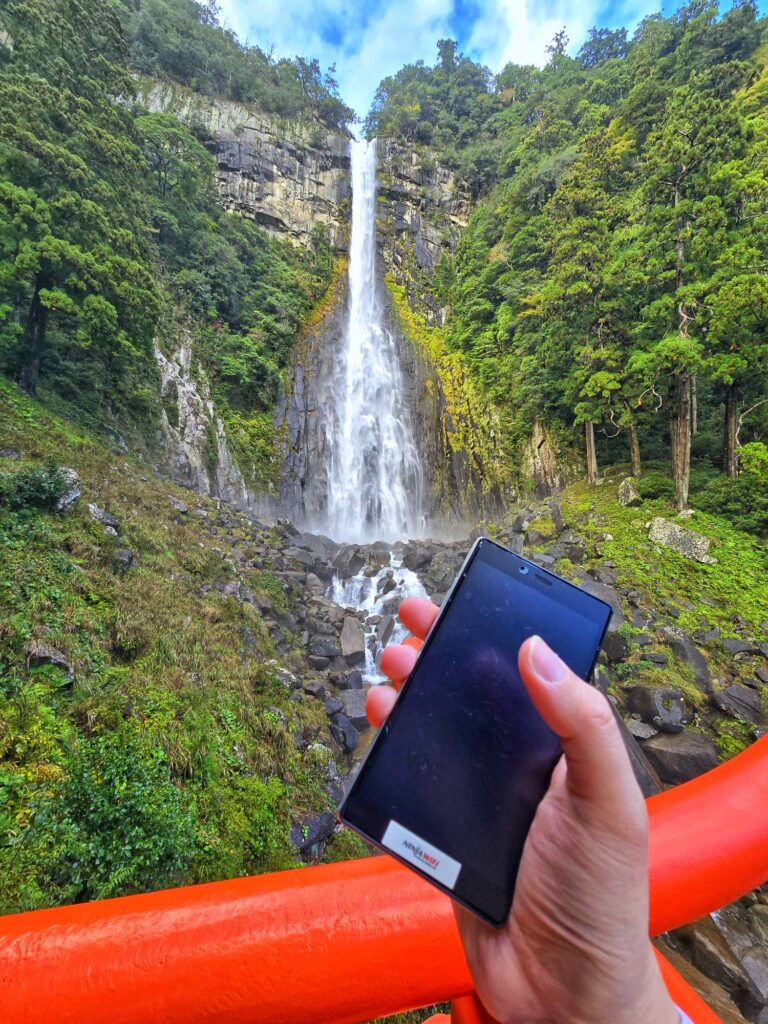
[{"x": 603, "y": 44}]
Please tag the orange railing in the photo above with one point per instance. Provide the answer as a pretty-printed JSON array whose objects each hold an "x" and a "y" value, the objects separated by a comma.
[{"x": 343, "y": 942}]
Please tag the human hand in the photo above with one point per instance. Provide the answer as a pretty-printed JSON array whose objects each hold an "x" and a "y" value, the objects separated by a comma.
[{"x": 575, "y": 947}]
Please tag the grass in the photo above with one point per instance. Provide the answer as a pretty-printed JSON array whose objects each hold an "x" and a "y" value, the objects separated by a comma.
[{"x": 152, "y": 653}]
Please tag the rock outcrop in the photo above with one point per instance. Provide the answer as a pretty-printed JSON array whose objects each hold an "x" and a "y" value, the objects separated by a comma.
[
  {"x": 194, "y": 446},
  {"x": 422, "y": 209},
  {"x": 289, "y": 176}
]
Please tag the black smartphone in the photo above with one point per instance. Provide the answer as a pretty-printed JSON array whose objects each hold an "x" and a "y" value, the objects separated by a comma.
[{"x": 452, "y": 782}]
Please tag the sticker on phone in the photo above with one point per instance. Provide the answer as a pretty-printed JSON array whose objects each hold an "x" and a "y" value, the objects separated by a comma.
[{"x": 421, "y": 854}]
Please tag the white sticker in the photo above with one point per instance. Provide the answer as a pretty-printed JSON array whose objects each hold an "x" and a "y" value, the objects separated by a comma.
[{"x": 421, "y": 854}]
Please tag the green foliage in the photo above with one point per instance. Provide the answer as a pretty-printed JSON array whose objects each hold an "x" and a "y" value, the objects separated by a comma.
[
  {"x": 754, "y": 460},
  {"x": 609, "y": 275},
  {"x": 744, "y": 502},
  {"x": 169, "y": 758},
  {"x": 182, "y": 40},
  {"x": 117, "y": 823},
  {"x": 34, "y": 487}
]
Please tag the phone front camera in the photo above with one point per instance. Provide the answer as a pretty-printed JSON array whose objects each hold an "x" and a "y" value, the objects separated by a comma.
[{"x": 524, "y": 570}]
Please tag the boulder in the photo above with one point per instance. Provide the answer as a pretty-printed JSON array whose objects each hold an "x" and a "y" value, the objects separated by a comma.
[
  {"x": 125, "y": 559},
  {"x": 629, "y": 496},
  {"x": 640, "y": 730},
  {"x": 352, "y": 641},
  {"x": 616, "y": 647},
  {"x": 740, "y": 702},
  {"x": 9, "y": 453},
  {"x": 72, "y": 483},
  {"x": 100, "y": 515},
  {"x": 351, "y": 680},
  {"x": 418, "y": 557},
  {"x": 316, "y": 688},
  {"x": 323, "y": 646},
  {"x": 345, "y": 734},
  {"x": 681, "y": 757},
  {"x": 556, "y": 512},
  {"x": 310, "y": 835},
  {"x": 353, "y": 706},
  {"x": 385, "y": 629},
  {"x": 735, "y": 647},
  {"x": 678, "y": 538},
  {"x": 661, "y": 708},
  {"x": 314, "y": 584},
  {"x": 683, "y": 648},
  {"x": 349, "y": 561},
  {"x": 38, "y": 652}
]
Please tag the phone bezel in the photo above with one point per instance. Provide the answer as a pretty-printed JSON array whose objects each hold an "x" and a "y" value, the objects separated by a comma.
[{"x": 455, "y": 586}]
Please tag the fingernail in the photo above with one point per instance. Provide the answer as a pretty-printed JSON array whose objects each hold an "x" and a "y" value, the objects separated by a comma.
[{"x": 546, "y": 662}]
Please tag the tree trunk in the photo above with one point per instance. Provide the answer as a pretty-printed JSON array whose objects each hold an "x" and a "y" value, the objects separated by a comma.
[
  {"x": 634, "y": 451},
  {"x": 694, "y": 406},
  {"x": 681, "y": 447},
  {"x": 730, "y": 455},
  {"x": 37, "y": 321},
  {"x": 589, "y": 430}
]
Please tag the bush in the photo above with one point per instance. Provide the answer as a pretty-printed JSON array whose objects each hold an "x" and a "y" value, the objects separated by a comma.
[
  {"x": 117, "y": 825},
  {"x": 656, "y": 484},
  {"x": 39, "y": 487},
  {"x": 743, "y": 502}
]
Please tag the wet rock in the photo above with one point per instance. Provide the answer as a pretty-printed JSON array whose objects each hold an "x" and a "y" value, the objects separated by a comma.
[
  {"x": 72, "y": 483},
  {"x": 683, "y": 648},
  {"x": 345, "y": 734},
  {"x": 418, "y": 557},
  {"x": 353, "y": 703},
  {"x": 310, "y": 835},
  {"x": 38, "y": 652},
  {"x": 323, "y": 646},
  {"x": 349, "y": 561},
  {"x": 681, "y": 757},
  {"x": 352, "y": 641},
  {"x": 385, "y": 629},
  {"x": 628, "y": 494},
  {"x": 662, "y": 708},
  {"x": 740, "y": 702},
  {"x": 678, "y": 538}
]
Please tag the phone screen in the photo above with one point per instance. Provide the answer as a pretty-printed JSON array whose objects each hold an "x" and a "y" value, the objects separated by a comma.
[{"x": 453, "y": 781}]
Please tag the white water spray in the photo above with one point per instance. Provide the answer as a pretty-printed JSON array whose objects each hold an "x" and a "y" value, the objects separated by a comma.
[{"x": 375, "y": 481}]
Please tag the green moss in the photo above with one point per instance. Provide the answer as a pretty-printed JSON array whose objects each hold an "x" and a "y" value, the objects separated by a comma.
[
  {"x": 345, "y": 845},
  {"x": 469, "y": 424}
]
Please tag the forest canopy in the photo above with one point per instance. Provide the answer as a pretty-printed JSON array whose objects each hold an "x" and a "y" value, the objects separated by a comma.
[{"x": 612, "y": 278}]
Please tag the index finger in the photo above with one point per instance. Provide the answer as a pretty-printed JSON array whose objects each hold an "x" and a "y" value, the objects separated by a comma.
[{"x": 417, "y": 615}]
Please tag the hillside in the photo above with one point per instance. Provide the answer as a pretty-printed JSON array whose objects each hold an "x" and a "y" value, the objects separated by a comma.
[{"x": 609, "y": 287}]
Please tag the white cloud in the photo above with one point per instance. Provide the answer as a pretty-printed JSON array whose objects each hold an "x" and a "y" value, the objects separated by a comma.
[{"x": 376, "y": 41}]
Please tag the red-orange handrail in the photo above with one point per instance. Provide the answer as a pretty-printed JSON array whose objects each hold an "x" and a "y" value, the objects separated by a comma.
[{"x": 338, "y": 943}]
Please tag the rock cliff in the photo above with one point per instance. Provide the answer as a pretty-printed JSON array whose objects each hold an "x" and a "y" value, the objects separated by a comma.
[
  {"x": 289, "y": 176},
  {"x": 422, "y": 210}
]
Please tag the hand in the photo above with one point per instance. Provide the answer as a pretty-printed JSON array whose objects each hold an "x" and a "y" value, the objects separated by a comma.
[{"x": 575, "y": 947}]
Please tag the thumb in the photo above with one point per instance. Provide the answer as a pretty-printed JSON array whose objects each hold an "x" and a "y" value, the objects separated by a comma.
[{"x": 596, "y": 759}]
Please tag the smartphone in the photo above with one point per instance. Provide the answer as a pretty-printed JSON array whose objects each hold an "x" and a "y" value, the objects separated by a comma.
[{"x": 451, "y": 784}]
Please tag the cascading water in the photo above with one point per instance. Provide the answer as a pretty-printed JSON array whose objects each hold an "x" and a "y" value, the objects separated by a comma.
[{"x": 375, "y": 480}]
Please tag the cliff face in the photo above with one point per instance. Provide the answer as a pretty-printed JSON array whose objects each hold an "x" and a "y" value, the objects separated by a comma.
[
  {"x": 288, "y": 176},
  {"x": 422, "y": 210}
]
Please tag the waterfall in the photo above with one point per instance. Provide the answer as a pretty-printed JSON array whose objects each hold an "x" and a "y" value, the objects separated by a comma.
[{"x": 375, "y": 481}]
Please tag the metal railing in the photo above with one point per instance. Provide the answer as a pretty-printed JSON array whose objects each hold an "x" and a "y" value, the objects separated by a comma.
[{"x": 344, "y": 943}]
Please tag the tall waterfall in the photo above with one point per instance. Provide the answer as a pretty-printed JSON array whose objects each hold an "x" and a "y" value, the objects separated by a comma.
[{"x": 375, "y": 485}]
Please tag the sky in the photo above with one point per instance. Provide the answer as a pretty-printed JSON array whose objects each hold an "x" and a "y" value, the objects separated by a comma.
[{"x": 370, "y": 39}]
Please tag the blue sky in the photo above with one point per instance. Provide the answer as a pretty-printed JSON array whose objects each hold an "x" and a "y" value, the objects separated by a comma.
[{"x": 369, "y": 40}]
